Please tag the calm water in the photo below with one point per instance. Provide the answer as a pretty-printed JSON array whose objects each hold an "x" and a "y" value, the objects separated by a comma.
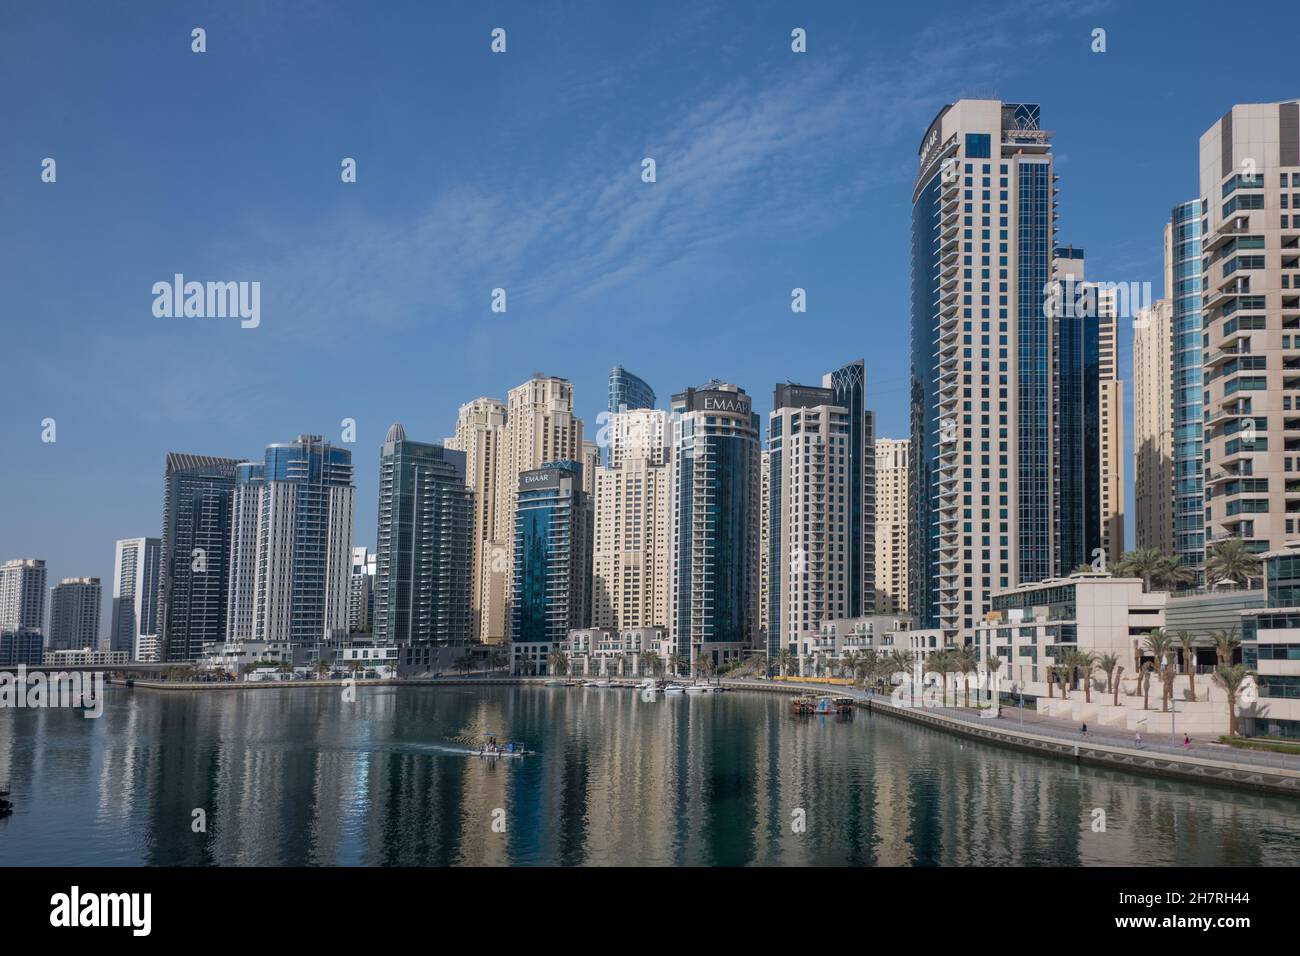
[{"x": 301, "y": 777}]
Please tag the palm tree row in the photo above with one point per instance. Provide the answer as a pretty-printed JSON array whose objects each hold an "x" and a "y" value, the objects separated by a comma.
[{"x": 1226, "y": 561}]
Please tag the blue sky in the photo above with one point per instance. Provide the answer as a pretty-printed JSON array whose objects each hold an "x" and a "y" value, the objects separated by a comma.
[{"x": 522, "y": 171}]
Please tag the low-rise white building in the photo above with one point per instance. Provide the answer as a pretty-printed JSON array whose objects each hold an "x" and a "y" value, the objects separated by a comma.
[
  {"x": 607, "y": 652},
  {"x": 1270, "y": 645},
  {"x": 85, "y": 657},
  {"x": 825, "y": 651}
]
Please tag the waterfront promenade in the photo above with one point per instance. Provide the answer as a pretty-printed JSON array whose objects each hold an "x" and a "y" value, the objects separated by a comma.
[{"x": 1027, "y": 730}]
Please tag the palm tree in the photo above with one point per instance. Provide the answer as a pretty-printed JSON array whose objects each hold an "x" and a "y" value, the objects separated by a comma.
[
  {"x": 1119, "y": 672},
  {"x": 1051, "y": 681},
  {"x": 1188, "y": 644},
  {"x": 967, "y": 663},
  {"x": 1229, "y": 560},
  {"x": 322, "y": 667},
  {"x": 1161, "y": 648},
  {"x": 869, "y": 664},
  {"x": 1173, "y": 572},
  {"x": 1084, "y": 568},
  {"x": 943, "y": 663},
  {"x": 1231, "y": 677},
  {"x": 1226, "y": 642},
  {"x": 1108, "y": 663},
  {"x": 675, "y": 662},
  {"x": 783, "y": 660},
  {"x": 1065, "y": 666},
  {"x": 703, "y": 666},
  {"x": 1144, "y": 679},
  {"x": 648, "y": 662},
  {"x": 1144, "y": 563},
  {"x": 849, "y": 663},
  {"x": 1087, "y": 662},
  {"x": 902, "y": 661}
]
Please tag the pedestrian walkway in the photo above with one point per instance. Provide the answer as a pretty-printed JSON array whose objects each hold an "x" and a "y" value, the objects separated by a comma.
[{"x": 1028, "y": 720}]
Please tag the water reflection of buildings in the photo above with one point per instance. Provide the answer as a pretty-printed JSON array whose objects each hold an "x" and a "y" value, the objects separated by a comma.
[{"x": 305, "y": 777}]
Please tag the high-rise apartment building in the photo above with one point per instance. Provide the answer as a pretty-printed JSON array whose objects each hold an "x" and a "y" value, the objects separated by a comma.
[
  {"x": 1153, "y": 436},
  {"x": 812, "y": 491},
  {"x": 999, "y": 393},
  {"x": 291, "y": 544},
  {"x": 361, "y": 592},
  {"x": 848, "y": 385},
  {"x": 590, "y": 464},
  {"x": 1110, "y": 426},
  {"x": 540, "y": 428},
  {"x": 1183, "y": 318},
  {"x": 480, "y": 432},
  {"x": 633, "y": 525},
  {"x": 423, "y": 563},
  {"x": 627, "y": 391},
  {"x": 22, "y": 595},
  {"x": 1250, "y": 188},
  {"x": 135, "y": 592},
  {"x": 764, "y": 540},
  {"x": 714, "y": 570},
  {"x": 891, "y": 525},
  {"x": 552, "y": 554},
  {"x": 74, "y": 614},
  {"x": 195, "y": 562}
]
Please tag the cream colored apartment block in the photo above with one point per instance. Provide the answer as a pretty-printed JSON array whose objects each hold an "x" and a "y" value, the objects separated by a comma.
[
  {"x": 1110, "y": 415},
  {"x": 1250, "y": 188},
  {"x": 540, "y": 428},
  {"x": 891, "y": 524},
  {"x": 1153, "y": 419},
  {"x": 480, "y": 431},
  {"x": 633, "y": 501},
  {"x": 764, "y": 535}
]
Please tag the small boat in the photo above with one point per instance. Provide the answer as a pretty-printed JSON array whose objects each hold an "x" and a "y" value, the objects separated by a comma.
[
  {"x": 492, "y": 754},
  {"x": 674, "y": 689},
  {"x": 599, "y": 683},
  {"x": 697, "y": 689},
  {"x": 555, "y": 683}
]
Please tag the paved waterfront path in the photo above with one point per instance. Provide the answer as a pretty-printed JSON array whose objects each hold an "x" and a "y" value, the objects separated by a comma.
[{"x": 1016, "y": 720}]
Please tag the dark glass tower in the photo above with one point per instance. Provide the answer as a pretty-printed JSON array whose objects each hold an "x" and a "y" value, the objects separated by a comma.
[
  {"x": 197, "y": 493},
  {"x": 716, "y": 507},
  {"x": 626, "y": 391},
  {"x": 1183, "y": 286},
  {"x": 849, "y": 387},
  {"x": 552, "y": 560},
  {"x": 422, "y": 566}
]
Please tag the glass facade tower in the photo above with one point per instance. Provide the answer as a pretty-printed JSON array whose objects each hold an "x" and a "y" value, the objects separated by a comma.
[
  {"x": 1183, "y": 291},
  {"x": 197, "y": 493},
  {"x": 627, "y": 391},
  {"x": 552, "y": 554},
  {"x": 424, "y": 551}
]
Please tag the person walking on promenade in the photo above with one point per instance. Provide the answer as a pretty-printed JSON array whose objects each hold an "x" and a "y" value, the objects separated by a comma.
[
  {"x": 1137, "y": 740},
  {"x": 1084, "y": 729},
  {"x": 1187, "y": 742}
]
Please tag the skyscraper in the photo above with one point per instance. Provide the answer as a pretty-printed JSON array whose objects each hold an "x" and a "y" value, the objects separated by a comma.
[
  {"x": 714, "y": 569},
  {"x": 848, "y": 385},
  {"x": 540, "y": 428},
  {"x": 22, "y": 595},
  {"x": 1153, "y": 438},
  {"x": 810, "y": 542},
  {"x": 891, "y": 525},
  {"x": 1110, "y": 424},
  {"x": 291, "y": 544},
  {"x": 633, "y": 526},
  {"x": 480, "y": 432},
  {"x": 361, "y": 592},
  {"x": 552, "y": 554},
  {"x": 1250, "y": 184},
  {"x": 197, "y": 491},
  {"x": 1183, "y": 322},
  {"x": 135, "y": 592},
  {"x": 74, "y": 614},
  {"x": 627, "y": 391},
  {"x": 990, "y": 369},
  {"x": 424, "y": 552}
]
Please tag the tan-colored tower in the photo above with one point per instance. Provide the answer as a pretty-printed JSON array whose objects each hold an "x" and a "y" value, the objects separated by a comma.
[
  {"x": 891, "y": 525},
  {"x": 1153, "y": 437},
  {"x": 1110, "y": 417},
  {"x": 633, "y": 526},
  {"x": 1250, "y": 181},
  {"x": 480, "y": 429},
  {"x": 540, "y": 428},
  {"x": 764, "y": 535}
]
